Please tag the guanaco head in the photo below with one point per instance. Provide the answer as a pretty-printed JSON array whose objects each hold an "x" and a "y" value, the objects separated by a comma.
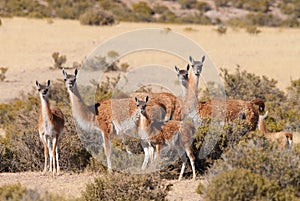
[
  {"x": 183, "y": 75},
  {"x": 70, "y": 80},
  {"x": 43, "y": 89},
  {"x": 141, "y": 105},
  {"x": 197, "y": 66}
]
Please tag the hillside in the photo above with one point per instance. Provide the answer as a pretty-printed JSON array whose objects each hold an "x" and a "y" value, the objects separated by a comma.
[{"x": 101, "y": 12}]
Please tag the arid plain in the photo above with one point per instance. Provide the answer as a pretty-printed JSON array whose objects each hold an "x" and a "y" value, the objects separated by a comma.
[{"x": 27, "y": 46}]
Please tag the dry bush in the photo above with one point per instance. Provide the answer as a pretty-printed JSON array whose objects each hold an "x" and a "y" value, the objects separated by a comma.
[
  {"x": 268, "y": 173},
  {"x": 96, "y": 17},
  {"x": 241, "y": 184},
  {"x": 221, "y": 29},
  {"x": 142, "y": 12},
  {"x": 126, "y": 187},
  {"x": 252, "y": 30},
  {"x": 59, "y": 60},
  {"x": 3, "y": 71},
  {"x": 16, "y": 192}
]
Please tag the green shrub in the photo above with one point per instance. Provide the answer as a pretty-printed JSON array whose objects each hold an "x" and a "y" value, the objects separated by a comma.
[
  {"x": 125, "y": 187},
  {"x": 96, "y": 17}
]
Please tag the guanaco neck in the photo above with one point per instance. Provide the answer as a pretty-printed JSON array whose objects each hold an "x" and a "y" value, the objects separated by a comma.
[
  {"x": 144, "y": 125},
  {"x": 45, "y": 109},
  {"x": 193, "y": 84},
  {"x": 261, "y": 125},
  {"x": 80, "y": 111}
]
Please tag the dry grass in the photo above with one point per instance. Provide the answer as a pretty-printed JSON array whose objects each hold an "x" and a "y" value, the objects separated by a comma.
[{"x": 27, "y": 46}]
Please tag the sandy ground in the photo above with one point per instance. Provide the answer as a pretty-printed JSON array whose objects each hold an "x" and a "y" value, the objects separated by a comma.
[
  {"x": 71, "y": 185},
  {"x": 27, "y": 46}
]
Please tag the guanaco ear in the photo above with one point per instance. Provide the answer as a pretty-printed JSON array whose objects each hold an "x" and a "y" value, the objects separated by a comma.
[
  {"x": 177, "y": 69},
  {"x": 188, "y": 67},
  {"x": 64, "y": 73},
  {"x": 203, "y": 59},
  {"x": 75, "y": 72},
  {"x": 136, "y": 101},
  {"x": 37, "y": 83},
  {"x": 48, "y": 83},
  {"x": 146, "y": 99},
  {"x": 191, "y": 59}
]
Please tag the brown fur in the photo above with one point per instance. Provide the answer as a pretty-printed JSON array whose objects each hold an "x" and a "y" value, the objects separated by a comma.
[
  {"x": 232, "y": 109},
  {"x": 164, "y": 100},
  {"x": 106, "y": 113},
  {"x": 56, "y": 119},
  {"x": 284, "y": 139},
  {"x": 171, "y": 132}
]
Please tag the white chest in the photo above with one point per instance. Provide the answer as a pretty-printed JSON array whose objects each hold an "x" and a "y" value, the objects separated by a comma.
[{"x": 48, "y": 127}]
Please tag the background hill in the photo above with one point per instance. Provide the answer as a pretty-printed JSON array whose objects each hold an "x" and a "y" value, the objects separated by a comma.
[{"x": 229, "y": 12}]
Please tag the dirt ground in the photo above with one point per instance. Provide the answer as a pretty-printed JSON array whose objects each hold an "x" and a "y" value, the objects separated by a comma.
[{"x": 71, "y": 185}]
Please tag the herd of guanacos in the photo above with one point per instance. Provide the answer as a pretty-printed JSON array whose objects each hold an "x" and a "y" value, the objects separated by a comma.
[{"x": 182, "y": 116}]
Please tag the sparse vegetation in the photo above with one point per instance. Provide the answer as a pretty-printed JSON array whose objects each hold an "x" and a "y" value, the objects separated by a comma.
[
  {"x": 3, "y": 71},
  {"x": 96, "y": 17},
  {"x": 107, "y": 63},
  {"x": 16, "y": 192},
  {"x": 126, "y": 187},
  {"x": 257, "y": 171},
  {"x": 106, "y": 12},
  {"x": 59, "y": 60},
  {"x": 252, "y": 30},
  {"x": 221, "y": 29}
]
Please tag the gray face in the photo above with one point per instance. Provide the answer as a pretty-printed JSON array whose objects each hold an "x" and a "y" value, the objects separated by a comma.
[
  {"x": 197, "y": 66},
  {"x": 183, "y": 76},
  {"x": 141, "y": 105},
  {"x": 43, "y": 89},
  {"x": 70, "y": 80}
]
